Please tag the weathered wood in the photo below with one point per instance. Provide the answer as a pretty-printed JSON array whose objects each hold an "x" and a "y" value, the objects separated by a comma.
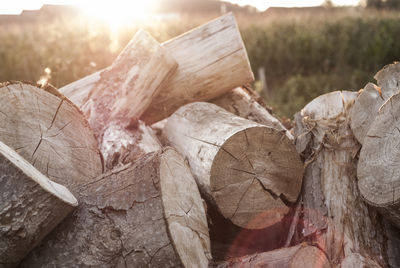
[
  {"x": 50, "y": 132},
  {"x": 146, "y": 214},
  {"x": 334, "y": 214},
  {"x": 212, "y": 60},
  {"x": 388, "y": 79},
  {"x": 246, "y": 169},
  {"x": 364, "y": 111},
  {"x": 298, "y": 256},
  {"x": 378, "y": 168},
  {"x": 30, "y": 206},
  {"x": 240, "y": 103}
]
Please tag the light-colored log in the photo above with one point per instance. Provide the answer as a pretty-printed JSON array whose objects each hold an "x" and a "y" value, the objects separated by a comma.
[
  {"x": 50, "y": 133},
  {"x": 388, "y": 79},
  {"x": 239, "y": 102},
  {"x": 378, "y": 168},
  {"x": 212, "y": 60},
  {"x": 364, "y": 111},
  {"x": 298, "y": 256},
  {"x": 246, "y": 169},
  {"x": 334, "y": 214},
  {"x": 30, "y": 206},
  {"x": 114, "y": 99},
  {"x": 146, "y": 214}
]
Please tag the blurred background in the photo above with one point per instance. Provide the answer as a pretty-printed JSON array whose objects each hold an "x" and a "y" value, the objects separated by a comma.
[{"x": 297, "y": 49}]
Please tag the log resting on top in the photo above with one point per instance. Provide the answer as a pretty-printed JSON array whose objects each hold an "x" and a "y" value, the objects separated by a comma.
[{"x": 249, "y": 171}]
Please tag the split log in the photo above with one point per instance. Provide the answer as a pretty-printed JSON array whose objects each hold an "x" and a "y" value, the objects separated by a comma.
[
  {"x": 298, "y": 256},
  {"x": 378, "y": 168},
  {"x": 364, "y": 111},
  {"x": 146, "y": 214},
  {"x": 114, "y": 99},
  {"x": 212, "y": 60},
  {"x": 334, "y": 214},
  {"x": 241, "y": 103},
  {"x": 372, "y": 98},
  {"x": 50, "y": 132},
  {"x": 246, "y": 169},
  {"x": 30, "y": 206}
]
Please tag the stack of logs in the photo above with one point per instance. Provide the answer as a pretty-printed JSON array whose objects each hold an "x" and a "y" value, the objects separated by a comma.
[{"x": 167, "y": 159}]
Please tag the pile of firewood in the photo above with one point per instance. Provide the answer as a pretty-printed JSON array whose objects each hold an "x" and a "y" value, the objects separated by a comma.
[{"x": 167, "y": 159}]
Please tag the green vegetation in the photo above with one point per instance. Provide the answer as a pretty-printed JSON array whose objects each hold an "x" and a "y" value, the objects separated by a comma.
[{"x": 303, "y": 56}]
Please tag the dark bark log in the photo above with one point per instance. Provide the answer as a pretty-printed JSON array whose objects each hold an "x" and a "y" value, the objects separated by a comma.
[{"x": 147, "y": 214}]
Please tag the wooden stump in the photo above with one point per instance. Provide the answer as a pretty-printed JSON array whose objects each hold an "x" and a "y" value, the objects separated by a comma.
[
  {"x": 30, "y": 206},
  {"x": 246, "y": 169},
  {"x": 378, "y": 168},
  {"x": 298, "y": 256},
  {"x": 50, "y": 133},
  {"x": 146, "y": 214},
  {"x": 241, "y": 103},
  {"x": 334, "y": 214}
]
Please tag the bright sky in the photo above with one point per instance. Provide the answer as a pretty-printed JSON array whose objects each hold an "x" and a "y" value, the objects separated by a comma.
[{"x": 16, "y": 6}]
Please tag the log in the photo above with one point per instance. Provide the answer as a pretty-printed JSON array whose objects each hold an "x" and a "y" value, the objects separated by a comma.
[
  {"x": 364, "y": 111},
  {"x": 144, "y": 214},
  {"x": 334, "y": 215},
  {"x": 50, "y": 132},
  {"x": 377, "y": 171},
  {"x": 114, "y": 99},
  {"x": 245, "y": 169},
  {"x": 299, "y": 256},
  {"x": 30, "y": 206},
  {"x": 241, "y": 103},
  {"x": 372, "y": 98},
  {"x": 212, "y": 60}
]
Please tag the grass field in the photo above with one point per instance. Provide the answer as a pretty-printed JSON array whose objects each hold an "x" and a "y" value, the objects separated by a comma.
[{"x": 304, "y": 55}]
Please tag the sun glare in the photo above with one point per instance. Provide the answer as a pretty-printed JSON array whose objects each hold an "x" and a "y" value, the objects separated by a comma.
[{"x": 119, "y": 12}]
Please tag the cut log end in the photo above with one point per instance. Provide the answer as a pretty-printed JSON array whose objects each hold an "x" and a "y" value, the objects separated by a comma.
[
  {"x": 50, "y": 133},
  {"x": 377, "y": 169},
  {"x": 254, "y": 173}
]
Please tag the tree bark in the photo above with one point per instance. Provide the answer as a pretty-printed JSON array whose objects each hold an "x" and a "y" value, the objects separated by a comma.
[
  {"x": 212, "y": 60},
  {"x": 298, "y": 256},
  {"x": 246, "y": 169},
  {"x": 50, "y": 132},
  {"x": 30, "y": 206},
  {"x": 378, "y": 172},
  {"x": 334, "y": 215},
  {"x": 146, "y": 214},
  {"x": 241, "y": 103}
]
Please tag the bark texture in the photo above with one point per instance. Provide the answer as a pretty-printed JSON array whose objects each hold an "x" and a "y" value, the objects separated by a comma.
[
  {"x": 241, "y": 103},
  {"x": 298, "y": 256},
  {"x": 30, "y": 206},
  {"x": 146, "y": 214},
  {"x": 246, "y": 169},
  {"x": 378, "y": 171},
  {"x": 334, "y": 215},
  {"x": 50, "y": 132}
]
